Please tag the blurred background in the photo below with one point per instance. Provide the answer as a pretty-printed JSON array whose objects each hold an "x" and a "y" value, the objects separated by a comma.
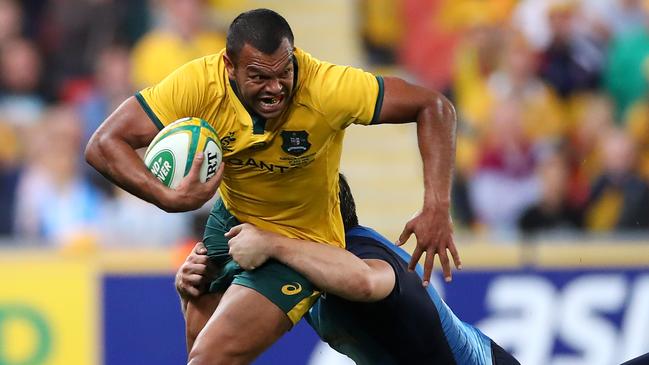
[{"x": 550, "y": 198}]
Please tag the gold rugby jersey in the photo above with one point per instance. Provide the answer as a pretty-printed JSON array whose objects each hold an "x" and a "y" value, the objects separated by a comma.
[{"x": 281, "y": 174}]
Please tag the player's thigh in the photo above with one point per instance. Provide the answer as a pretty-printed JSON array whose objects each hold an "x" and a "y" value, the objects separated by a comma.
[
  {"x": 244, "y": 324},
  {"x": 286, "y": 288},
  {"x": 199, "y": 311}
]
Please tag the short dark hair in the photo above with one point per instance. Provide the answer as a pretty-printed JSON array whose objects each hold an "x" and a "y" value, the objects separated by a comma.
[
  {"x": 263, "y": 29},
  {"x": 347, "y": 204}
]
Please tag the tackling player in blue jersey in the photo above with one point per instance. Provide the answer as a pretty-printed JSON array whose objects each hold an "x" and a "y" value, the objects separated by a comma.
[{"x": 375, "y": 310}]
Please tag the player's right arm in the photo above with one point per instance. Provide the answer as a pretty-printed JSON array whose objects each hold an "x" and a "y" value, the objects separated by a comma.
[
  {"x": 112, "y": 152},
  {"x": 332, "y": 269},
  {"x": 350, "y": 95}
]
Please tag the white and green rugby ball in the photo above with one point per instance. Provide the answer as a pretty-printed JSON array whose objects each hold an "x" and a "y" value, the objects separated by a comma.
[{"x": 171, "y": 153}]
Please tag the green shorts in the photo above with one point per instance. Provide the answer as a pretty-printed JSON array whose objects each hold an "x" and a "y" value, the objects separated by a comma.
[{"x": 283, "y": 286}]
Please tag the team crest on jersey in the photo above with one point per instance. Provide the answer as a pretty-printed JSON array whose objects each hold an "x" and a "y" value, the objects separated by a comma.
[{"x": 295, "y": 142}]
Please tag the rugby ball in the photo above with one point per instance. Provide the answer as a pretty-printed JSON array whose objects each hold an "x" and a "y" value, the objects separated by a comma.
[{"x": 171, "y": 153}]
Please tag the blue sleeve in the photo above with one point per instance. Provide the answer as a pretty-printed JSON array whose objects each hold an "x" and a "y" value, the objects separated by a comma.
[{"x": 368, "y": 248}]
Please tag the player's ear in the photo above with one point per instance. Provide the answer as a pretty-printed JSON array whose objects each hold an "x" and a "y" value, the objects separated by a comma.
[{"x": 229, "y": 66}]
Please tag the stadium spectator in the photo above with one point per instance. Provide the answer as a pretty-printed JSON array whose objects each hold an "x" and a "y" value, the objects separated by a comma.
[
  {"x": 20, "y": 72},
  {"x": 72, "y": 33},
  {"x": 10, "y": 168},
  {"x": 382, "y": 24},
  {"x": 10, "y": 20},
  {"x": 444, "y": 38},
  {"x": 619, "y": 197},
  {"x": 111, "y": 85},
  {"x": 181, "y": 36},
  {"x": 592, "y": 17},
  {"x": 132, "y": 222},
  {"x": 614, "y": 18},
  {"x": 627, "y": 58},
  {"x": 515, "y": 81},
  {"x": 552, "y": 213},
  {"x": 476, "y": 57},
  {"x": 54, "y": 202},
  {"x": 504, "y": 183},
  {"x": 637, "y": 125},
  {"x": 573, "y": 60},
  {"x": 593, "y": 120}
]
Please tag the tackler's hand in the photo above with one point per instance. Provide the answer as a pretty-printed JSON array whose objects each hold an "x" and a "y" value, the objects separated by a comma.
[
  {"x": 195, "y": 274},
  {"x": 249, "y": 245}
]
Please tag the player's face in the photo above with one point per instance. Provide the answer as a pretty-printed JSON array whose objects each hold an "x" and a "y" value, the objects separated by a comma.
[{"x": 265, "y": 81}]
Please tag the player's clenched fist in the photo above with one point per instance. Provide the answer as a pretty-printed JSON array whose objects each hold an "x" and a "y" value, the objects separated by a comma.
[{"x": 191, "y": 194}]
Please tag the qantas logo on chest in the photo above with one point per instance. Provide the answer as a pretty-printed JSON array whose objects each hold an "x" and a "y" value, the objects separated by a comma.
[{"x": 261, "y": 165}]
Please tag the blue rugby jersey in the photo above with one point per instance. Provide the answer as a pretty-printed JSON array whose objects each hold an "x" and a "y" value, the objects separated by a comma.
[{"x": 410, "y": 326}]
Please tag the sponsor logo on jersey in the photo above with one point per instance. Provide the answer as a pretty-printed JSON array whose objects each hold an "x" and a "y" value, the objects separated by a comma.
[
  {"x": 261, "y": 165},
  {"x": 227, "y": 141},
  {"x": 292, "y": 288},
  {"x": 295, "y": 142}
]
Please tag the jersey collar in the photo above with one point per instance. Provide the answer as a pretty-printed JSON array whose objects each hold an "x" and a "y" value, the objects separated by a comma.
[{"x": 258, "y": 122}]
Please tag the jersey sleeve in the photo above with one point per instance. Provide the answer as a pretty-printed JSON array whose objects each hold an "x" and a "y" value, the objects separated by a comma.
[
  {"x": 345, "y": 94},
  {"x": 181, "y": 94}
]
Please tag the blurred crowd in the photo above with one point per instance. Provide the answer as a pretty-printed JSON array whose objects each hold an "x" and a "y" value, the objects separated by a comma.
[
  {"x": 64, "y": 66},
  {"x": 553, "y": 109},
  {"x": 551, "y": 95}
]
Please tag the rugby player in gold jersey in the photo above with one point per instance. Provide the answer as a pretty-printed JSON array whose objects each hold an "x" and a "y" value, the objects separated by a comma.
[{"x": 281, "y": 116}]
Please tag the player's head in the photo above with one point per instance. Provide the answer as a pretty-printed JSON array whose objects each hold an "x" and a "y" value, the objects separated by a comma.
[
  {"x": 259, "y": 57},
  {"x": 347, "y": 204}
]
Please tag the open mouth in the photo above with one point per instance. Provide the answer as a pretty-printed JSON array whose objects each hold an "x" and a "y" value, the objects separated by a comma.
[{"x": 271, "y": 103}]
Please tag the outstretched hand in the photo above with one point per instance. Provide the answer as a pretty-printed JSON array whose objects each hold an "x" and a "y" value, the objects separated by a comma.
[
  {"x": 191, "y": 194},
  {"x": 433, "y": 229},
  {"x": 249, "y": 245}
]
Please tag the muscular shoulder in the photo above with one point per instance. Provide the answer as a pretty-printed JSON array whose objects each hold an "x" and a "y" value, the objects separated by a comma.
[
  {"x": 308, "y": 70},
  {"x": 195, "y": 89},
  {"x": 208, "y": 71},
  {"x": 335, "y": 90}
]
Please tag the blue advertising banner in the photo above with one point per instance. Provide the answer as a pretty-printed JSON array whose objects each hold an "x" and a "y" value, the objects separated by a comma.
[
  {"x": 558, "y": 316},
  {"x": 143, "y": 324},
  {"x": 597, "y": 316}
]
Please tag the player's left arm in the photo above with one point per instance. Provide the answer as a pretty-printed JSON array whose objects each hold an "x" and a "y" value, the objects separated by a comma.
[
  {"x": 436, "y": 123},
  {"x": 332, "y": 269}
]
